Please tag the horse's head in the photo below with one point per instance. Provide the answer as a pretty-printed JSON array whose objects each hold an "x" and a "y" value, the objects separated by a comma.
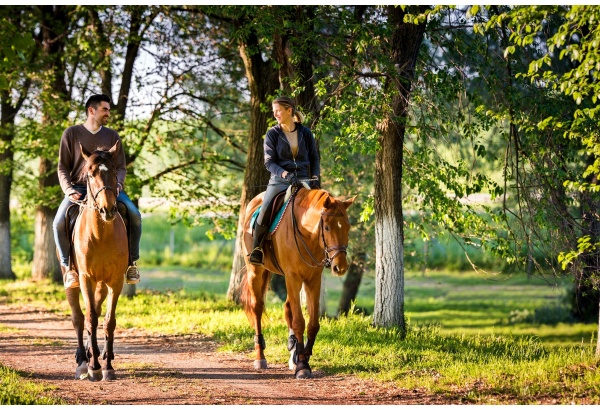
[
  {"x": 101, "y": 175},
  {"x": 335, "y": 233}
]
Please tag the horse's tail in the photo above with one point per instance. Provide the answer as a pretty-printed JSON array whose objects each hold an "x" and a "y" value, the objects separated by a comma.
[{"x": 247, "y": 298}]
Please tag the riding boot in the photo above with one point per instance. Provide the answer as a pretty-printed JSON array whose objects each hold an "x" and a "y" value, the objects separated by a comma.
[
  {"x": 257, "y": 255},
  {"x": 70, "y": 278}
]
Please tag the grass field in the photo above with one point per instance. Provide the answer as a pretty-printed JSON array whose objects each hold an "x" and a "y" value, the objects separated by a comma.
[
  {"x": 467, "y": 303},
  {"x": 475, "y": 334}
]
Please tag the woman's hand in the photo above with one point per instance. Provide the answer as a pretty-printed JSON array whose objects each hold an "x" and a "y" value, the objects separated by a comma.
[{"x": 292, "y": 179}]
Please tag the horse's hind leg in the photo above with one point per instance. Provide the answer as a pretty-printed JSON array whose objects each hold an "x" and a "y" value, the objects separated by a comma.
[
  {"x": 255, "y": 288},
  {"x": 78, "y": 323},
  {"x": 110, "y": 323}
]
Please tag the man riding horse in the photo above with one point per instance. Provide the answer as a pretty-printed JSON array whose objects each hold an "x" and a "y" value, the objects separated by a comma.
[{"x": 92, "y": 135}]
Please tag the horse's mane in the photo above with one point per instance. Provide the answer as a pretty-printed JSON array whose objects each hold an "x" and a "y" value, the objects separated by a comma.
[{"x": 313, "y": 198}]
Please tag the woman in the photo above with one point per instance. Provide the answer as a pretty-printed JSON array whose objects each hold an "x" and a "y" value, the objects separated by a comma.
[{"x": 290, "y": 155}]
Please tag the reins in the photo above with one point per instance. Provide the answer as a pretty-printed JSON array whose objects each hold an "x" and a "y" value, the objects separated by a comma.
[{"x": 326, "y": 262}]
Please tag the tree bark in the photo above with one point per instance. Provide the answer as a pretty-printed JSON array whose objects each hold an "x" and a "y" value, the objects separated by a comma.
[
  {"x": 52, "y": 38},
  {"x": 7, "y": 120},
  {"x": 389, "y": 233},
  {"x": 45, "y": 261},
  {"x": 262, "y": 82},
  {"x": 586, "y": 293}
]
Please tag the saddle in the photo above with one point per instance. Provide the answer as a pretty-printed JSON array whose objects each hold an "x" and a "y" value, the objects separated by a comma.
[
  {"x": 74, "y": 210},
  {"x": 279, "y": 205},
  {"x": 276, "y": 213}
]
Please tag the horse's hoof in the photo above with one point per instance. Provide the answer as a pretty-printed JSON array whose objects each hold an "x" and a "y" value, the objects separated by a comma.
[
  {"x": 82, "y": 371},
  {"x": 108, "y": 375},
  {"x": 94, "y": 375},
  {"x": 304, "y": 374},
  {"x": 293, "y": 360},
  {"x": 260, "y": 364}
]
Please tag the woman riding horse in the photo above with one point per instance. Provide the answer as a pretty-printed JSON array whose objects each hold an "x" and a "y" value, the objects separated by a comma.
[
  {"x": 315, "y": 219},
  {"x": 290, "y": 155}
]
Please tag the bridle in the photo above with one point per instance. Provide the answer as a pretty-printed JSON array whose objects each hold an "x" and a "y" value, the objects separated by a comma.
[
  {"x": 94, "y": 196},
  {"x": 327, "y": 260}
]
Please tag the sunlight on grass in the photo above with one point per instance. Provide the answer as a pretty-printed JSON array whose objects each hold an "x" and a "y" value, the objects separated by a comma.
[
  {"x": 467, "y": 334},
  {"x": 15, "y": 389}
]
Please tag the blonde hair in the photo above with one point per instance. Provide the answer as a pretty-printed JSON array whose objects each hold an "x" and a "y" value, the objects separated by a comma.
[{"x": 287, "y": 102}]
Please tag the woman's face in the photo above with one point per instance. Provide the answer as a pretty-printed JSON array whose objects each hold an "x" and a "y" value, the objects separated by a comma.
[{"x": 282, "y": 114}]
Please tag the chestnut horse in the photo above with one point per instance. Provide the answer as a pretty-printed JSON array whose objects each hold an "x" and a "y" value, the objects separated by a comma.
[
  {"x": 312, "y": 234},
  {"x": 100, "y": 255}
]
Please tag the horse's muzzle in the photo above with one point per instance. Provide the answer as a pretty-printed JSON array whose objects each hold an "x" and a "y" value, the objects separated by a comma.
[
  {"x": 108, "y": 214},
  {"x": 339, "y": 265}
]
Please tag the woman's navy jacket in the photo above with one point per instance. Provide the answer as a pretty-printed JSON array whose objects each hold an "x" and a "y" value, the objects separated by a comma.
[{"x": 279, "y": 158}]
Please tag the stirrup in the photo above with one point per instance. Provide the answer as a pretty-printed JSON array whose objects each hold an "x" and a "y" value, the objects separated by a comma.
[
  {"x": 71, "y": 279},
  {"x": 257, "y": 256},
  {"x": 132, "y": 275}
]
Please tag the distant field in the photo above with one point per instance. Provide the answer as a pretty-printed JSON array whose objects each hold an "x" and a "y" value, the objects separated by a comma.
[{"x": 460, "y": 302}]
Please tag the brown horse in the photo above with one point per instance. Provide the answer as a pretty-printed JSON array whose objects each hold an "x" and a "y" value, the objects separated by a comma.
[
  {"x": 312, "y": 234},
  {"x": 100, "y": 255}
]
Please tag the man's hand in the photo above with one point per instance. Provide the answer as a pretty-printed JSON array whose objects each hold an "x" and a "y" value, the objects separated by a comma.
[
  {"x": 75, "y": 196},
  {"x": 119, "y": 188}
]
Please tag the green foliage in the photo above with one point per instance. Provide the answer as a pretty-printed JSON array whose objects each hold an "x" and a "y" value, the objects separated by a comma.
[
  {"x": 191, "y": 246},
  {"x": 15, "y": 389}
]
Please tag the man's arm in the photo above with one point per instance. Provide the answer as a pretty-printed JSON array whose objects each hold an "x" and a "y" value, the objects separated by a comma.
[{"x": 65, "y": 164}]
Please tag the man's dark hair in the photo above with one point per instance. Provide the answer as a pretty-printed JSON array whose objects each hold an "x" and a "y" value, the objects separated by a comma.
[{"x": 94, "y": 101}]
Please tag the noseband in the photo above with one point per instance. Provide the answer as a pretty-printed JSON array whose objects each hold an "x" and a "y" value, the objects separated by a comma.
[
  {"x": 327, "y": 260},
  {"x": 95, "y": 196}
]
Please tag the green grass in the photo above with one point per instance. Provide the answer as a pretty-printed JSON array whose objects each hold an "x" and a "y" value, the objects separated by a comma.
[
  {"x": 15, "y": 389},
  {"x": 465, "y": 336}
]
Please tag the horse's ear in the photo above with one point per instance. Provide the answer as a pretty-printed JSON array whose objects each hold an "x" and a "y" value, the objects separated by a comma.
[
  {"x": 84, "y": 152},
  {"x": 348, "y": 202},
  {"x": 327, "y": 203},
  {"x": 113, "y": 149}
]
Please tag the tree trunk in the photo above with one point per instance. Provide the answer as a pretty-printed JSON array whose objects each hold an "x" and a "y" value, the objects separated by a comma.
[
  {"x": 352, "y": 283},
  {"x": 389, "y": 233},
  {"x": 597, "y": 338},
  {"x": 6, "y": 175},
  {"x": 262, "y": 82},
  {"x": 586, "y": 294},
  {"x": 52, "y": 38},
  {"x": 45, "y": 261}
]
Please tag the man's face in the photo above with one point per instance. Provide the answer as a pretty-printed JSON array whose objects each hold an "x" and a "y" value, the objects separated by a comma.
[{"x": 101, "y": 113}]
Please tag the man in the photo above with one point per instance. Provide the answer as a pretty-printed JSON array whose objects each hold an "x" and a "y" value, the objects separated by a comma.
[{"x": 92, "y": 135}]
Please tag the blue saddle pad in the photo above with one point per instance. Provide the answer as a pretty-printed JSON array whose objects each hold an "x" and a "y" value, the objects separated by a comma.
[{"x": 275, "y": 220}]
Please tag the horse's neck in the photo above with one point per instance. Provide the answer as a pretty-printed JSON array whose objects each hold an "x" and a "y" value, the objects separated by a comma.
[
  {"x": 95, "y": 225},
  {"x": 311, "y": 214}
]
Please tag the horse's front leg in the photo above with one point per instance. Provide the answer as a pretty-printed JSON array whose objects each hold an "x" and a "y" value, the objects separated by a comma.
[
  {"x": 256, "y": 287},
  {"x": 313, "y": 296},
  {"x": 110, "y": 323},
  {"x": 78, "y": 323},
  {"x": 296, "y": 325},
  {"x": 91, "y": 325}
]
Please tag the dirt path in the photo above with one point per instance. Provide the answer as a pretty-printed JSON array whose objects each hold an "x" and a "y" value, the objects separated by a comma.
[{"x": 174, "y": 370}]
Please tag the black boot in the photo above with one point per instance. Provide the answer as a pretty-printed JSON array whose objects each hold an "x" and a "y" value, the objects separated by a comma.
[{"x": 257, "y": 256}]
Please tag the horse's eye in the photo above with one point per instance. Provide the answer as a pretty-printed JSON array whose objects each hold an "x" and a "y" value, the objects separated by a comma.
[{"x": 327, "y": 228}]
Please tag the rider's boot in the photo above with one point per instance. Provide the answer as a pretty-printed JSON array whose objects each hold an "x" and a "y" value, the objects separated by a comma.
[
  {"x": 132, "y": 275},
  {"x": 71, "y": 278},
  {"x": 257, "y": 255}
]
